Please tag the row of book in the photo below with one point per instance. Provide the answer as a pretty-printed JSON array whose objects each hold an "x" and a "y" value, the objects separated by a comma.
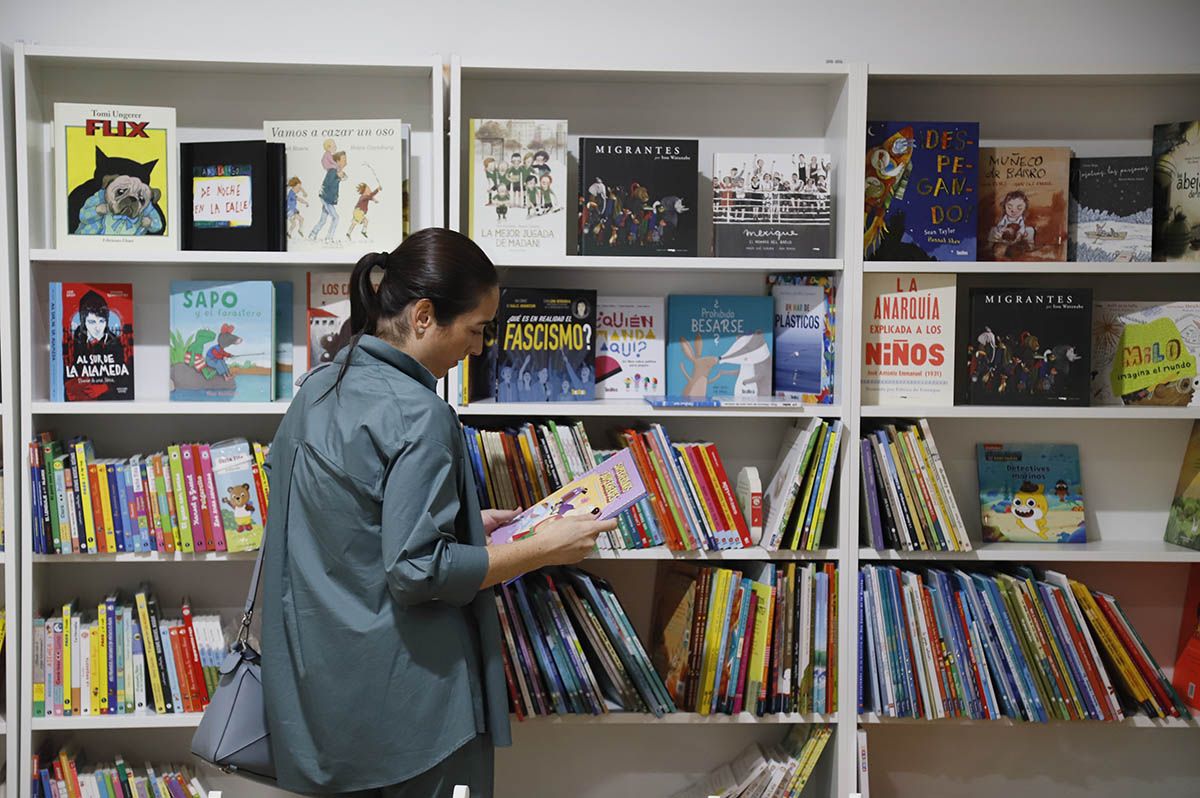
[
  {"x": 1002, "y": 643},
  {"x": 124, "y": 657},
  {"x": 61, "y": 774},
  {"x": 191, "y": 497},
  {"x": 907, "y": 500},
  {"x": 759, "y": 638},
  {"x": 801, "y": 490},
  {"x": 570, "y": 648},
  {"x": 780, "y": 770}
]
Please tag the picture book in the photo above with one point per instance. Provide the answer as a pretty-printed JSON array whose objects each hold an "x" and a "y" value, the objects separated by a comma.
[
  {"x": 1111, "y": 209},
  {"x": 828, "y": 283},
  {"x": 406, "y": 146},
  {"x": 1023, "y": 203},
  {"x": 1177, "y": 191},
  {"x": 1186, "y": 678},
  {"x": 908, "y": 339},
  {"x": 1028, "y": 346},
  {"x": 241, "y": 511},
  {"x": 518, "y": 188},
  {"x": 1107, "y": 325},
  {"x": 1156, "y": 352},
  {"x": 284, "y": 349},
  {"x": 1030, "y": 493},
  {"x": 719, "y": 345},
  {"x": 922, "y": 186},
  {"x": 545, "y": 345},
  {"x": 1183, "y": 521},
  {"x": 344, "y": 183},
  {"x": 772, "y": 205},
  {"x": 233, "y": 195},
  {"x": 630, "y": 349},
  {"x": 603, "y": 492},
  {"x": 222, "y": 345},
  {"x": 91, "y": 342},
  {"x": 328, "y": 315},
  {"x": 638, "y": 196},
  {"x": 801, "y": 328},
  {"x": 117, "y": 176}
]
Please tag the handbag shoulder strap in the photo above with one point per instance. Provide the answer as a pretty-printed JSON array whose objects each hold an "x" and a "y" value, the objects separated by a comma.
[{"x": 252, "y": 593}]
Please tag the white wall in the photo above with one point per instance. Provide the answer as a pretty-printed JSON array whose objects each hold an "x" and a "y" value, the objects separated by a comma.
[{"x": 916, "y": 33}]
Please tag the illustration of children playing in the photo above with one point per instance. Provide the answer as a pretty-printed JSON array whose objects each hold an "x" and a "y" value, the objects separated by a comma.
[
  {"x": 514, "y": 179},
  {"x": 502, "y": 200},
  {"x": 1011, "y": 235},
  {"x": 546, "y": 201},
  {"x": 334, "y": 164},
  {"x": 365, "y": 198},
  {"x": 491, "y": 171},
  {"x": 296, "y": 196}
]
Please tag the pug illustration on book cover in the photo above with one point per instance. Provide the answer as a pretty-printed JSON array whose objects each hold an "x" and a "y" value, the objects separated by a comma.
[{"x": 116, "y": 176}]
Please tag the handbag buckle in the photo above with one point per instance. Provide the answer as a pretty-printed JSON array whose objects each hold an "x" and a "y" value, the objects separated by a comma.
[{"x": 243, "y": 635}]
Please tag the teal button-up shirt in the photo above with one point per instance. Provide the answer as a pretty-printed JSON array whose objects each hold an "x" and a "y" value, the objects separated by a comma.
[{"x": 381, "y": 655}]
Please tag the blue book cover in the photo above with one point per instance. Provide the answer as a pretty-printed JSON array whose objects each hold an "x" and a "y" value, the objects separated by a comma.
[
  {"x": 922, "y": 187},
  {"x": 222, "y": 345},
  {"x": 284, "y": 351},
  {"x": 1031, "y": 493},
  {"x": 719, "y": 346},
  {"x": 801, "y": 329},
  {"x": 114, "y": 499},
  {"x": 56, "y": 347}
]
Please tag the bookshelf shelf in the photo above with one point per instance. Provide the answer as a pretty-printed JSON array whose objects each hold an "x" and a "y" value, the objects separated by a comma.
[
  {"x": 145, "y": 558},
  {"x": 754, "y": 266},
  {"x": 753, "y": 553},
  {"x": 1135, "y": 722},
  {"x": 153, "y": 408},
  {"x": 1110, "y": 551},
  {"x": 673, "y": 718},
  {"x": 83, "y": 257},
  {"x": 185, "y": 720},
  {"x": 618, "y": 409},
  {"x": 1056, "y": 268},
  {"x": 1105, "y": 413}
]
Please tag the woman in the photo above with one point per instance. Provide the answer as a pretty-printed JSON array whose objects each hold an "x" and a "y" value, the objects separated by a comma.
[{"x": 381, "y": 646}]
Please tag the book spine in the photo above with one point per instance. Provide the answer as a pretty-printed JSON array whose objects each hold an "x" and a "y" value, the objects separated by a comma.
[
  {"x": 166, "y": 505},
  {"x": 182, "y": 509},
  {"x": 173, "y": 684},
  {"x": 85, "y": 508},
  {"x": 814, "y": 536},
  {"x": 209, "y": 482},
  {"x": 57, "y": 391},
  {"x": 116, "y": 500},
  {"x": 720, "y": 477},
  {"x": 154, "y": 662},
  {"x": 196, "y": 502},
  {"x": 939, "y": 471}
]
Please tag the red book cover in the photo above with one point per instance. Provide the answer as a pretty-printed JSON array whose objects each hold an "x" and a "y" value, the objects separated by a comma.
[
  {"x": 1147, "y": 669},
  {"x": 1186, "y": 678},
  {"x": 670, "y": 472},
  {"x": 196, "y": 502},
  {"x": 696, "y": 645},
  {"x": 739, "y": 698},
  {"x": 743, "y": 529},
  {"x": 514, "y": 697},
  {"x": 258, "y": 488},
  {"x": 1081, "y": 648},
  {"x": 512, "y": 460},
  {"x": 182, "y": 672},
  {"x": 705, "y": 488},
  {"x": 639, "y": 526},
  {"x": 936, "y": 642},
  {"x": 97, "y": 342},
  {"x": 657, "y": 498},
  {"x": 192, "y": 655},
  {"x": 97, "y": 508},
  {"x": 209, "y": 483}
]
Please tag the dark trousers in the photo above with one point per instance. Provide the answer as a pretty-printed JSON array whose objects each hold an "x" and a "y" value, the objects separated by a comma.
[{"x": 472, "y": 765}]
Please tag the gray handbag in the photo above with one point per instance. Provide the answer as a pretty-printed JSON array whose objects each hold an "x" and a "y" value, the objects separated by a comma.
[{"x": 233, "y": 733}]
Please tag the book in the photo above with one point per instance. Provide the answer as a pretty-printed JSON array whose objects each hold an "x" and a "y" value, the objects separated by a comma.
[
  {"x": 719, "y": 345},
  {"x": 222, "y": 345},
  {"x": 344, "y": 182},
  {"x": 638, "y": 196},
  {"x": 784, "y": 284},
  {"x": 922, "y": 182},
  {"x": 802, "y": 325},
  {"x": 1158, "y": 346},
  {"x": 406, "y": 147},
  {"x": 772, "y": 205},
  {"x": 242, "y": 514},
  {"x": 1183, "y": 520},
  {"x": 1186, "y": 676},
  {"x": 233, "y": 195},
  {"x": 1030, "y": 493},
  {"x": 1177, "y": 191},
  {"x": 545, "y": 345},
  {"x": 599, "y": 493},
  {"x": 117, "y": 176},
  {"x": 284, "y": 348},
  {"x": 1028, "y": 346},
  {"x": 750, "y": 500},
  {"x": 1107, "y": 325},
  {"x": 518, "y": 188},
  {"x": 91, "y": 342},
  {"x": 630, "y": 350},
  {"x": 1111, "y": 209},
  {"x": 1023, "y": 203},
  {"x": 328, "y": 315},
  {"x": 908, "y": 339}
]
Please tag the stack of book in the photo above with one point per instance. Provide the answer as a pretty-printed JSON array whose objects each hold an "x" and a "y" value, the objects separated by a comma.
[
  {"x": 123, "y": 657},
  {"x": 907, "y": 500},
  {"x": 691, "y": 503},
  {"x": 194, "y": 497},
  {"x": 952, "y": 644},
  {"x": 798, "y": 495},
  {"x": 773, "y": 771},
  {"x": 57, "y": 774},
  {"x": 570, "y": 648},
  {"x": 762, "y": 638}
]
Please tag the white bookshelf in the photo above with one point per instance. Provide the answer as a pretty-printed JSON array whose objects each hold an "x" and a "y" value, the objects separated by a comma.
[{"x": 214, "y": 99}]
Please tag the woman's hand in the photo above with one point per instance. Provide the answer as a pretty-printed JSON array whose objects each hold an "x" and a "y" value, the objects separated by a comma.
[
  {"x": 494, "y": 519},
  {"x": 566, "y": 541}
]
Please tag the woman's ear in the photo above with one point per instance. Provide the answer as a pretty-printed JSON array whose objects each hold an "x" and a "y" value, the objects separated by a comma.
[{"x": 422, "y": 316}]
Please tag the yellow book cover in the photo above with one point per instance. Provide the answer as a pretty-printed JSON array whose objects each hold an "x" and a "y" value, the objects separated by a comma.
[
  {"x": 715, "y": 524},
  {"x": 1126, "y": 670},
  {"x": 829, "y": 473},
  {"x": 935, "y": 490},
  {"x": 810, "y": 480},
  {"x": 110, "y": 537},
  {"x": 143, "y": 610},
  {"x": 66, "y": 762},
  {"x": 84, "y": 487},
  {"x": 674, "y": 606},
  {"x": 535, "y": 477},
  {"x": 916, "y": 483},
  {"x": 170, "y": 519},
  {"x": 68, "y": 704},
  {"x": 915, "y": 510},
  {"x": 712, "y": 639},
  {"x": 758, "y": 646},
  {"x": 102, "y": 662},
  {"x": 116, "y": 176},
  {"x": 722, "y": 500},
  {"x": 93, "y": 668},
  {"x": 260, "y": 458},
  {"x": 175, "y": 463}
]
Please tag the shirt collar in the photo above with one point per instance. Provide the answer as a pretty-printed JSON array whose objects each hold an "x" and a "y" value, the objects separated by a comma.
[{"x": 383, "y": 351}]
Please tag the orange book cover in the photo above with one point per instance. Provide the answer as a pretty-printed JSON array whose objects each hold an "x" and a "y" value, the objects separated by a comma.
[
  {"x": 1186, "y": 679},
  {"x": 1023, "y": 203}
]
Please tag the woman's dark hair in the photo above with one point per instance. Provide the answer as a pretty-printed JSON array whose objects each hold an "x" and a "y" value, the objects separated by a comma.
[{"x": 445, "y": 267}]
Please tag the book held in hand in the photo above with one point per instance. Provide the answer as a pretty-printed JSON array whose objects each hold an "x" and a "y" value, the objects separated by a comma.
[
  {"x": 91, "y": 342},
  {"x": 233, "y": 195},
  {"x": 1031, "y": 493}
]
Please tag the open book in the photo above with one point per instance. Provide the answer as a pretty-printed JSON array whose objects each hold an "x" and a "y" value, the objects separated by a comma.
[{"x": 607, "y": 490}]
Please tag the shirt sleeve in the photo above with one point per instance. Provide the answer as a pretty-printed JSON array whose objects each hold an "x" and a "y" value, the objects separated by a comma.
[{"x": 421, "y": 554}]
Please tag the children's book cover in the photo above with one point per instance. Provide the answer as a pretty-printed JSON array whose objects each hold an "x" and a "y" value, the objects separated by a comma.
[
  {"x": 233, "y": 195},
  {"x": 518, "y": 188},
  {"x": 719, "y": 346},
  {"x": 1183, "y": 520},
  {"x": 1111, "y": 209},
  {"x": 801, "y": 316},
  {"x": 638, "y": 196},
  {"x": 1107, "y": 325},
  {"x": 328, "y": 315},
  {"x": 606, "y": 491},
  {"x": 630, "y": 348},
  {"x": 1186, "y": 678},
  {"x": 1028, "y": 346},
  {"x": 546, "y": 346},
  {"x": 284, "y": 350},
  {"x": 222, "y": 345},
  {"x": 1177, "y": 191},
  {"x": 117, "y": 174},
  {"x": 772, "y": 205},
  {"x": 828, "y": 283},
  {"x": 1030, "y": 493},
  {"x": 908, "y": 339},
  {"x": 344, "y": 183},
  {"x": 232, "y": 465},
  {"x": 1155, "y": 358},
  {"x": 406, "y": 145},
  {"x": 91, "y": 342},
  {"x": 1023, "y": 203},
  {"x": 921, "y": 191}
]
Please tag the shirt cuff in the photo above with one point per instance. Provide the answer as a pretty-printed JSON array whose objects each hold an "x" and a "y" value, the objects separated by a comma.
[{"x": 468, "y": 568}]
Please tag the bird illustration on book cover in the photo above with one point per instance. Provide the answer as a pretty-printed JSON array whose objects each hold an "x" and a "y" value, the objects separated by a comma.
[{"x": 97, "y": 341}]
